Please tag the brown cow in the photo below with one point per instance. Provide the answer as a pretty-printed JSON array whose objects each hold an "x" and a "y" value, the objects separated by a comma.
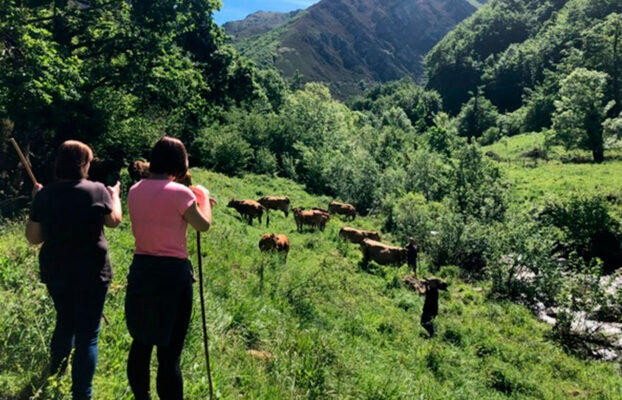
[
  {"x": 273, "y": 242},
  {"x": 356, "y": 235},
  {"x": 321, "y": 219},
  {"x": 139, "y": 170},
  {"x": 310, "y": 217},
  {"x": 275, "y": 203},
  {"x": 348, "y": 210},
  {"x": 248, "y": 209},
  {"x": 382, "y": 254}
]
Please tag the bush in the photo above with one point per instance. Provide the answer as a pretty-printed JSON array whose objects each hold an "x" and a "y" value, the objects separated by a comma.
[
  {"x": 225, "y": 152},
  {"x": 477, "y": 115},
  {"x": 264, "y": 162},
  {"x": 428, "y": 173},
  {"x": 441, "y": 233},
  {"x": 490, "y": 136},
  {"x": 520, "y": 263},
  {"x": 460, "y": 243},
  {"x": 476, "y": 186},
  {"x": 412, "y": 216},
  {"x": 584, "y": 225}
]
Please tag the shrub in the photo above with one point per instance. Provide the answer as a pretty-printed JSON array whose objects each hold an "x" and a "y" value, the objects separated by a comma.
[
  {"x": 477, "y": 115},
  {"x": 428, "y": 173},
  {"x": 584, "y": 223},
  {"x": 490, "y": 136},
  {"x": 225, "y": 152},
  {"x": 412, "y": 216},
  {"x": 520, "y": 263},
  {"x": 476, "y": 186},
  {"x": 264, "y": 162}
]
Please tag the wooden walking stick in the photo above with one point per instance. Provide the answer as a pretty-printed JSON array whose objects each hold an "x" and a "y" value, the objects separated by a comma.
[
  {"x": 205, "y": 340},
  {"x": 23, "y": 161}
]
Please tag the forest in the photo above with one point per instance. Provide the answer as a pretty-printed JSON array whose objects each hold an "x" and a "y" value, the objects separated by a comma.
[{"x": 504, "y": 164}]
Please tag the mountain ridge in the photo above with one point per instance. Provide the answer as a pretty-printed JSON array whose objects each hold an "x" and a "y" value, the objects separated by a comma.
[{"x": 349, "y": 43}]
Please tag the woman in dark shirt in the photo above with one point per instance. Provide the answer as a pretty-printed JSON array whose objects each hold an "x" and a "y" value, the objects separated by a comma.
[{"x": 68, "y": 217}]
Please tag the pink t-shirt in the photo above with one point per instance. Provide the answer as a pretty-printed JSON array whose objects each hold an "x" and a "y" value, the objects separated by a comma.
[{"x": 156, "y": 209}]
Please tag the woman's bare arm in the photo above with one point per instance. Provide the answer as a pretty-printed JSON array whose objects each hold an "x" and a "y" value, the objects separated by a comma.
[
  {"x": 115, "y": 217},
  {"x": 197, "y": 219},
  {"x": 34, "y": 234}
]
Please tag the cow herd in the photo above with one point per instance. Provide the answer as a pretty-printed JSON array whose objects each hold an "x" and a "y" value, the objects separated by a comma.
[{"x": 317, "y": 218}]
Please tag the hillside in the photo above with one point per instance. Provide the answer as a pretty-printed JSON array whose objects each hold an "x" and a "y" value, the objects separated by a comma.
[
  {"x": 344, "y": 42},
  {"x": 520, "y": 50},
  {"x": 257, "y": 23},
  {"x": 335, "y": 331}
]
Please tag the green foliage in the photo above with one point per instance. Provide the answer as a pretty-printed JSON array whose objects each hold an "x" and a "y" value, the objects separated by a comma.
[
  {"x": 581, "y": 111},
  {"x": 222, "y": 150},
  {"x": 477, "y": 187},
  {"x": 476, "y": 117},
  {"x": 419, "y": 105},
  {"x": 521, "y": 265},
  {"x": 458, "y": 242},
  {"x": 115, "y": 73},
  {"x": 441, "y": 138},
  {"x": 521, "y": 51},
  {"x": 581, "y": 219}
]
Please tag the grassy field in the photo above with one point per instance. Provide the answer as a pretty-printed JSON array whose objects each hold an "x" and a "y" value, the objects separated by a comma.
[
  {"x": 535, "y": 180},
  {"x": 334, "y": 331}
]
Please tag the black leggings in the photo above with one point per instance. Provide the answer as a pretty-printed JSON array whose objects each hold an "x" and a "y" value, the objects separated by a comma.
[{"x": 169, "y": 381}]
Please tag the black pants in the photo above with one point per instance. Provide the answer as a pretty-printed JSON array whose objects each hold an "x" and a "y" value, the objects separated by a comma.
[{"x": 169, "y": 381}]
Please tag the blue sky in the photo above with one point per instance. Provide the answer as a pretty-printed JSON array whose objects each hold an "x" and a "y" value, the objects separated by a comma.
[{"x": 238, "y": 9}]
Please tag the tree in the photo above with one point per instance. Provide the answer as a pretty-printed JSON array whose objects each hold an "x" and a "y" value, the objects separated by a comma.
[
  {"x": 581, "y": 111},
  {"x": 602, "y": 51},
  {"x": 476, "y": 116},
  {"x": 114, "y": 74}
]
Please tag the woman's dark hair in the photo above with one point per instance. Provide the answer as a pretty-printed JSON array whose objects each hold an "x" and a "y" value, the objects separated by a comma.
[
  {"x": 169, "y": 157},
  {"x": 71, "y": 158}
]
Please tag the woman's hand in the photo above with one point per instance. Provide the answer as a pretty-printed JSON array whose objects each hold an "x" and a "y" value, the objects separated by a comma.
[
  {"x": 115, "y": 217},
  {"x": 203, "y": 200},
  {"x": 35, "y": 189},
  {"x": 114, "y": 190},
  {"x": 199, "y": 215}
]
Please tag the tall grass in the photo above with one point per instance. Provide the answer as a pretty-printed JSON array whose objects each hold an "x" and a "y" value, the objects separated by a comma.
[{"x": 335, "y": 331}]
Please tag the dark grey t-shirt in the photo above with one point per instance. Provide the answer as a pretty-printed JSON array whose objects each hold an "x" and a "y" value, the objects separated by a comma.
[{"x": 71, "y": 215}]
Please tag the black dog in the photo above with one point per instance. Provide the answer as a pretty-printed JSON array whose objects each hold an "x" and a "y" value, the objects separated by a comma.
[{"x": 107, "y": 172}]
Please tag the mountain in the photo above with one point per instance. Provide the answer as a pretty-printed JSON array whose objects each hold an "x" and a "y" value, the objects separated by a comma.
[
  {"x": 520, "y": 51},
  {"x": 257, "y": 23},
  {"x": 344, "y": 42}
]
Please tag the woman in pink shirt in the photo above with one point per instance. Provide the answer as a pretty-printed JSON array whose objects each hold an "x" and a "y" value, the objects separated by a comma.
[{"x": 159, "y": 294}]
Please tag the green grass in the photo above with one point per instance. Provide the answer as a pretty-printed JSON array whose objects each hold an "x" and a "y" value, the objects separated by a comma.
[
  {"x": 536, "y": 180},
  {"x": 336, "y": 332}
]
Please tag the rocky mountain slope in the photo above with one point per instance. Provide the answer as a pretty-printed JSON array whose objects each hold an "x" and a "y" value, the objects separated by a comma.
[
  {"x": 257, "y": 23},
  {"x": 344, "y": 42}
]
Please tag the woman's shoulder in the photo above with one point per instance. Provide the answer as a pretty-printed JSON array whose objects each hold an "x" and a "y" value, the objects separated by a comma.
[
  {"x": 149, "y": 185},
  {"x": 178, "y": 188}
]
